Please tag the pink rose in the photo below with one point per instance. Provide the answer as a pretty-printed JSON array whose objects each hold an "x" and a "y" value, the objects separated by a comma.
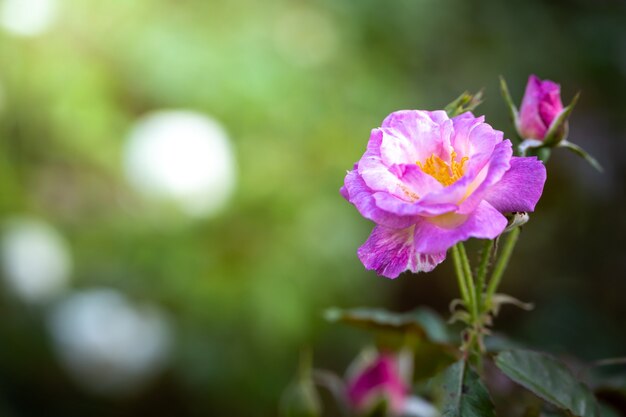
[
  {"x": 379, "y": 381},
  {"x": 540, "y": 106},
  {"x": 429, "y": 182}
]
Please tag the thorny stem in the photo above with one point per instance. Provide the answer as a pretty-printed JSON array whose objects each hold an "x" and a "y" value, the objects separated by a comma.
[
  {"x": 481, "y": 274},
  {"x": 471, "y": 346},
  {"x": 509, "y": 244},
  {"x": 471, "y": 285},
  {"x": 478, "y": 300},
  {"x": 460, "y": 276}
]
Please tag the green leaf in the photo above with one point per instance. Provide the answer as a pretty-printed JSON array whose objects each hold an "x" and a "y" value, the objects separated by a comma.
[
  {"x": 464, "y": 393},
  {"x": 496, "y": 342},
  {"x": 549, "y": 379},
  {"x": 582, "y": 153},
  {"x": 422, "y": 330},
  {"x": 423, "y": 322},
  {"x": 553, "y": 413}
]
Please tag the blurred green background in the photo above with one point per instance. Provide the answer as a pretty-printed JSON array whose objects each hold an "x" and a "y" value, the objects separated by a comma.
[{"x": 220, "y": 301}]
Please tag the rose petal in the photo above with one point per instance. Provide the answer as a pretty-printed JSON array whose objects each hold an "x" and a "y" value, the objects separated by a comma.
[
  {"x": 463, "y": 125},
  {"x": 540, "y": 106},
  {"x": 483, "y": 141},
  {"x": 396, "y": 148},
  {"x": 521, "y": 186},
  {"x": 372, "y": 169},
  {"x": 391, "y": 251},
  {"x": 489, "y": 175},
  {"x": 421, "y": 128},
  {"x": 360, "y": 195},
  {"x": 397, "y": 206},
  {"x": 438, "y": 234},
  {"x": 379, "y": 381}
]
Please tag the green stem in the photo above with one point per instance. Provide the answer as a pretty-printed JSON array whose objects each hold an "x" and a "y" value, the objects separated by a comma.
[
  {"x": 460, "y": 276},
  {"x": 469, "y": 281},
  {"x": 482, "y": 272},
  {"x": 462, "y": 266},
  {"x": 509, "y": 243}
]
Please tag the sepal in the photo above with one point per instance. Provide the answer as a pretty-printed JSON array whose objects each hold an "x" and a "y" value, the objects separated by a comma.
[
  {"x": 582, "y": 153},
  {"x": 464, "y": 103},
  {"x": 516, "y": 219},
  {"x": 558, "y": 130},
  {"x": 513, "y": 112},
  {"x": 528, "y": 144},
  {"x": 498, "y": 300}
]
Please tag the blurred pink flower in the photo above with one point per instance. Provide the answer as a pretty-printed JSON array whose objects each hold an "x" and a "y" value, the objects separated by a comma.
[
  {"x": 540, "y": 106},
  {"x": 429, "y": 182},
  {"x": 378, "y": 382}
]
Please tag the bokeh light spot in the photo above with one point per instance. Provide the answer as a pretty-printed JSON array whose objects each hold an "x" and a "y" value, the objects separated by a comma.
[
  {"x": 27, "y": 17},
  {"x": 35, "y": 259},
  {"x": 182, "y": 156},
  {"x": 108, "y": 344}
]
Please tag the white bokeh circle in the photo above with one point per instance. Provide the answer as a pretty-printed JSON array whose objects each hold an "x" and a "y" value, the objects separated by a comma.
[
  {"x": 182, "y": 156},
  {"x": 107, "y": 343},
  {"x": 27, "y": 17},
  {"x": 36, "y": 260}
]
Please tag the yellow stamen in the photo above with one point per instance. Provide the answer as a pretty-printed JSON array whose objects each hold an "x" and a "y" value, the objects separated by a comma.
[{"x": 446, "y": 174}]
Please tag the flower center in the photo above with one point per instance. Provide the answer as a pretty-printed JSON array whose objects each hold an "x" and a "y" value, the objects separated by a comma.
[{"x": 446, "y": 174}]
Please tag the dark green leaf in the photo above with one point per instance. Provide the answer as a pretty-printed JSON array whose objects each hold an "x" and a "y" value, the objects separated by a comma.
[
  {"x": 495, "y": 342},
  {"x": 553, "y": 413},
  {"x": 422, "y": 330},
  {"x": 464, "y": 393},
  {"x": 549, "y": 379},
  {"x": 423, "y": 322}
]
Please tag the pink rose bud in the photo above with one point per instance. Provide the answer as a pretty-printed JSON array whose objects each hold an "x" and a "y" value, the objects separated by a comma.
[
  {"x": 540, "y": 106},
  {"x": 379, "y": 383}
]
